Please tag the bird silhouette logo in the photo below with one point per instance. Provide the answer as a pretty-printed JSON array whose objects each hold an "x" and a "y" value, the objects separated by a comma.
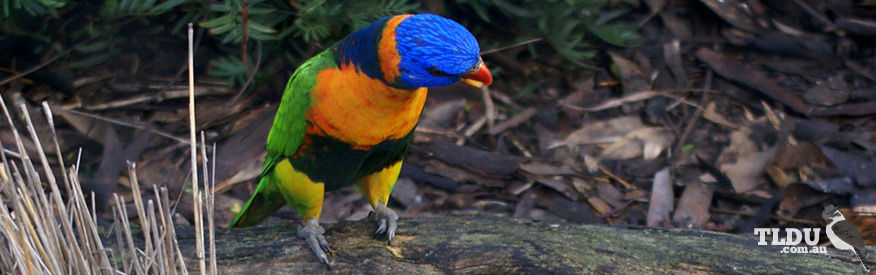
[{"x": 843, "y": 234}]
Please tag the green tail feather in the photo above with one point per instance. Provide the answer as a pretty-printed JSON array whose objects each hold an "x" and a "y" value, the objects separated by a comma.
[{"x": 264, "y": 202}]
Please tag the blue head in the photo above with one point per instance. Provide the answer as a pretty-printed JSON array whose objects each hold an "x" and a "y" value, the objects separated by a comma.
[{"x": 412, "y": 51}]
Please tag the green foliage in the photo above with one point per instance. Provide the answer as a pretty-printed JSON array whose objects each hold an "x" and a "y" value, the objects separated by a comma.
[
  {"x": 122, "y": 8},
  {"x": 237, "y": 20},
  {"x": 33, "y": 7},
  {"x": 292, "y": 31},
  {"x": 94, "y": 30},
  {"x": 229, "y": 67},
  {"x": 319, "y": 19},
  {"x": 569, "y": 26}
]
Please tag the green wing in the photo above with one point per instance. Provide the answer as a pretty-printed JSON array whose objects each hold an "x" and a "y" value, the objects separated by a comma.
[{"x": 284, "y": 139}]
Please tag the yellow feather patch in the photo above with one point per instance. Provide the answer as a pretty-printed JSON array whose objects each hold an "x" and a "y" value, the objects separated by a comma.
[
  {"x": 299, "y": 191},
  {"x": 387, "y": 51},
  {"x": 356, "y": 109},
  {"x": 377, "y": 186}
]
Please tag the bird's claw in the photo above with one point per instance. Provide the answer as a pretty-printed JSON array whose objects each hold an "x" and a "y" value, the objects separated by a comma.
[
  {"x": 387, "y": 221},
  {"x": 312, "y": 233}
]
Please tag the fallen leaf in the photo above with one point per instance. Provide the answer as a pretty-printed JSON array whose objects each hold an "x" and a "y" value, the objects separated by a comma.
[
  {"x": 478, "y": 161},
  {"x": 600, "y": 205},
  {"x": 605, "y": 131},
  {"x": 460, "y": 175},
  {"x": 779, "y": 177},
  {"x": 609, "y": 194},
  {"x": 408, "y": 194},
  {"x": 732, "y": 11},
  {"x": 243, "y": 149},
  {"x": 632, "y": 76},
  {"x": 752, "y": 78},
  {"x": 662, "y": 199},
  {"x": 840, "y": 186},
  {"x": 647, "y": 141},
  {"x": 829, "y": 92},
  {"x": 798, "y": 196},
  {"x": 569, "y": 210},
  {"x": 814, "y": 130},
  {"x": 692, "y": 211},
  {"x": 556, "y": 183},
  {"x": 544, "y": 169},
  {"x": 417, "y": 174},
  {"x": 859, "y": 169},
  {"x": 748, "y": 155},
  {"x": 525, "y": 205},
  {"x": 864, "y": 202},
  {"x": 712, "y": 115},
  {"x": 439, "y": 116},
  {"x": 396, "y": 251},
  {"x": 801, "y": 153}
]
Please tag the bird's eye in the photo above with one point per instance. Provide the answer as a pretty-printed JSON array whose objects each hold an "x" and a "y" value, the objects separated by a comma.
[
  {"x": 476, "y": 67},
  {"x": 436, "y": 72}
]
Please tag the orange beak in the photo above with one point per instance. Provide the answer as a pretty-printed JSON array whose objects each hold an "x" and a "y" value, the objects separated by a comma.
[{"x": 479, "y": 78}]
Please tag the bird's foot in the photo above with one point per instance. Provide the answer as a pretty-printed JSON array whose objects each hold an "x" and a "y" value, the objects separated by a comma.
[
  {"x": 387, "y": 221},
  {"x": 312, "y": 233}
]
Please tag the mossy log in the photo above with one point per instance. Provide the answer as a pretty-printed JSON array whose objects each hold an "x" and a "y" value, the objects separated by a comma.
[{"x": 503, "y": 245}]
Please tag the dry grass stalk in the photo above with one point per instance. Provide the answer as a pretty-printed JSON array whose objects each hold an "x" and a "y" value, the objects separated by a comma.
[
  {"x": 40, "y": 233},
  {"x": 196, "y": 193}
]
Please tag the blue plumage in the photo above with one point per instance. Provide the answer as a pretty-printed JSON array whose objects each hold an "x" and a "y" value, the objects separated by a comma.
[
  {"x": 360, "y": 49},
  {"x": 435, "y": 51}
]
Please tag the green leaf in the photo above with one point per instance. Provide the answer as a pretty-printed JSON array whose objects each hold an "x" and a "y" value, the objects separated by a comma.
[
  {"x": 604, "y": 17},
  {"x": 167, "y": 6},
  {"x": 93, "y": 47},
  {"x": 94, "y": 59},
  {"x": 618, "y": 35},
  {"x": 216, "y": 22},
  {"x": 259, "y": 27},
  {"x": 514, "y": 9}
]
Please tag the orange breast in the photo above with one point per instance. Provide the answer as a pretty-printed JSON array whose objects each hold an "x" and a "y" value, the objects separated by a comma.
[{"x": 350, "y": 106}]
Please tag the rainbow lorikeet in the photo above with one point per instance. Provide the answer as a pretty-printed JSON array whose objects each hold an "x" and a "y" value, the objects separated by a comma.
[{"x": 348, "y": 114}]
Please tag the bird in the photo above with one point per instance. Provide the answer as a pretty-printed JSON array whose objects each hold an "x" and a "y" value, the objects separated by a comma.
[
  {"x": 843, "y": 234},
  {"x": 347, "y": 117}
]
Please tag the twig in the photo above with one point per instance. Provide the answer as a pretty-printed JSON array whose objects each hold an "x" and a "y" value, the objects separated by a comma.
[
  {"x": 519, "y": 146},
  {"x": 829, "y": 24},
  {"x": 249, "y": 78},
  {"x": 518, "y": 44},
  {"x": 618, "y": 179},
  {"x": 127, "y": 124},
  {"x": 638, "y": 96},
  {"x": 244, "y": 24},
  {"x": 38, "y": 66},
  {"x": 160, "y": 96},
  {"x": 489, "y": 107},
  {"x": 696, "y": 116},
  {"x": 616, "y": 209},
  {"x": 471, "y": 130},
  {"x": 513, "y": 121}
]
